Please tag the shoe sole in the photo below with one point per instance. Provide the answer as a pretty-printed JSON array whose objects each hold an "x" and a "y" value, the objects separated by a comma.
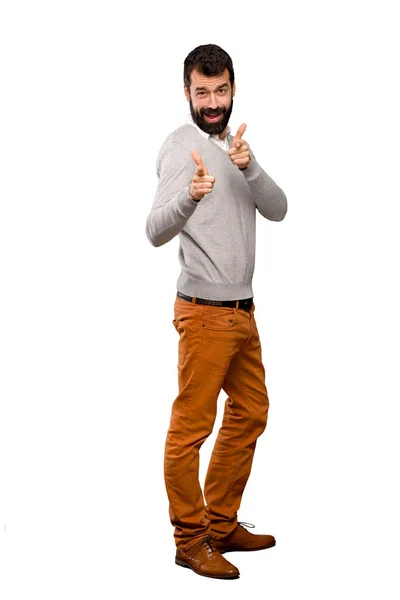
[
  {"x": 182, "y": 563},
  {"x": 245, "y": 549}
]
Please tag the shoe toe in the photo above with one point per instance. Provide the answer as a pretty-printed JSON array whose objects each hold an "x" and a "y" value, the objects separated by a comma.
[{"x": 270, "y": 540}]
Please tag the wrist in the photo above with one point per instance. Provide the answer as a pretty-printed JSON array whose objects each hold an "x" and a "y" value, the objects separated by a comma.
[
  {"x": 194, "y": 199},
  {"x": 244, "y": 168}
]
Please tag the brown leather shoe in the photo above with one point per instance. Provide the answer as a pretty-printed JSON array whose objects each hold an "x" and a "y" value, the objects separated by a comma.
[
  {"x": 241, "y": 540},
  {"x": 204, "y": 559}
]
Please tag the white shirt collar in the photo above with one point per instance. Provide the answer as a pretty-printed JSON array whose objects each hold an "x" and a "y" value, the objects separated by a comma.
[{"x": 224, "y": 144}]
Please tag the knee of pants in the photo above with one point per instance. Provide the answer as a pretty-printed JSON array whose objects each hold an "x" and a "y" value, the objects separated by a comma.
[
  {"x": 260, "y": 420},
  {"x": 193, "y": 430},
  {"x": 200, "y": 429}
]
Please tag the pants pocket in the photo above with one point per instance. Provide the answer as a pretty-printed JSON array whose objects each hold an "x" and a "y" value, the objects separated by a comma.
[
  {"x": 184, "y": 336},
  {"x": 218, "y": 319}
]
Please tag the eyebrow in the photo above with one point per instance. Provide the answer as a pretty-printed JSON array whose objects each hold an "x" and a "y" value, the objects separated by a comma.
[{"x": 204, "y": 89}]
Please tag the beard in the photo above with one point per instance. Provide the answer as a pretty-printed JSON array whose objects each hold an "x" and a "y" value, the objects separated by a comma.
[{"x": 211, "y": 128}]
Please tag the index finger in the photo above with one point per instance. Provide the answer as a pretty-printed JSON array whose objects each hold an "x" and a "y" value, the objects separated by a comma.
[
  {"x": 240, "y": 131},
  {"x": 201, "y": 168}
]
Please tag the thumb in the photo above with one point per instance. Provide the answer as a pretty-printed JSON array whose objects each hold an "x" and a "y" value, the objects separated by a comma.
[{"x": 201, "y": 168}]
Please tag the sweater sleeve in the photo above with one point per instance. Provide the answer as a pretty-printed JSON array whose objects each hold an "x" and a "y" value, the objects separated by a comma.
[
  {"x": 270, "y": 200},
  {"x": 172, "y": 206}
]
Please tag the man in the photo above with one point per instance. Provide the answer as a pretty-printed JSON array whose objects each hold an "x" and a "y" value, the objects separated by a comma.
[{"x": 210, "y": 186}]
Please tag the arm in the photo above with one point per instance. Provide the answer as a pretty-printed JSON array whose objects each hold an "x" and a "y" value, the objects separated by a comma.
[
  {"x": 172, "y": 206},
  {"x": 270, "y": 200}
]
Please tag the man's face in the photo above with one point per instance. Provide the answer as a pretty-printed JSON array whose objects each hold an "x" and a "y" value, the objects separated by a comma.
[{"x": 210, "y": 100}]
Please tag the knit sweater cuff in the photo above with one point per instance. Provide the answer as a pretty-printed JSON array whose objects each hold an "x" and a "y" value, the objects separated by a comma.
[
  {"x": 187, "y": 206},
  {"x": 252, "y": 171}
]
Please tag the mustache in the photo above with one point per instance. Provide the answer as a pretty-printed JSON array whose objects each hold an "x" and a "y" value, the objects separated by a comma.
[{"x": 212, "y": 112}]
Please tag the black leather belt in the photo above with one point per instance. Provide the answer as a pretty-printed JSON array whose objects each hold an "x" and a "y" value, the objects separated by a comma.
[{"x": 245, "y": 303}]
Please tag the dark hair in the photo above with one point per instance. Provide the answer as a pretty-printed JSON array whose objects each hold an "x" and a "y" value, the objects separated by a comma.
[{"x": 210, "y": 60}]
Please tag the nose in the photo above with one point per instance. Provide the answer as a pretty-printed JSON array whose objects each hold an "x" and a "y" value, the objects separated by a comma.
[{"x": 213, "y": 101}]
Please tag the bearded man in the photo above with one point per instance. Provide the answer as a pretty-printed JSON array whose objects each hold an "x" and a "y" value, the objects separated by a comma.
[{"x": 210, "y": 187}]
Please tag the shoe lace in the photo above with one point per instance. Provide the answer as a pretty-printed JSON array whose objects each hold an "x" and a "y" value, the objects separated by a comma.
[
  {"x": 244, "y": 524},
  {"x": 208, "y": 543}
]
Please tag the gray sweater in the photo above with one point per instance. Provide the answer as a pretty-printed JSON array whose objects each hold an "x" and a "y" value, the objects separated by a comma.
[{"x": 218, "y": 234}]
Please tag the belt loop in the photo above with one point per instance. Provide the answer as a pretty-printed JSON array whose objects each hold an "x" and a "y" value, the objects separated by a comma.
[
  {"x": 237, "y": 303},
  {"x": 193, "y": 300}
]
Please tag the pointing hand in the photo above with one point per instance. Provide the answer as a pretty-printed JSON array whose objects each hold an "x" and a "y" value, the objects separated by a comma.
[
  {"x": 202, "y": 182},
  {"x": 239, "y": 153}
]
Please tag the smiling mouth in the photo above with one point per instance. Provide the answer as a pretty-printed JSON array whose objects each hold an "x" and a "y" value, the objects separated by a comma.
[{"x": 213, "y": 118}]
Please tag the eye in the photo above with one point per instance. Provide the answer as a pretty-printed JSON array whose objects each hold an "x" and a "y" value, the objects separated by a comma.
[
  {"x": 201, "y": 94},
  {"x": 222, "y": 91}
]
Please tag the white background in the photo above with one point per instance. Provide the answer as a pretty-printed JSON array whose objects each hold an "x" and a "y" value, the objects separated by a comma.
[{"x": 89, "y": 92}]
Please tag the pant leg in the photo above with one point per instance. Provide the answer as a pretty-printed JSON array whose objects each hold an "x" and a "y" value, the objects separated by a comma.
[
  {"x": 245, "y": 418},
  {"x": 209, "y": 338}
]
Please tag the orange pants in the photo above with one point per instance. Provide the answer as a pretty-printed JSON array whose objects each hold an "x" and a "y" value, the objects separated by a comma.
[{"x": 219, "y": 348}]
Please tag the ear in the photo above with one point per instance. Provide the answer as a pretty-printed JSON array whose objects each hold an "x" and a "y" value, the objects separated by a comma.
[
  {"x": 187, "y": 93},
  {"x": 233, "y": 89}
]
